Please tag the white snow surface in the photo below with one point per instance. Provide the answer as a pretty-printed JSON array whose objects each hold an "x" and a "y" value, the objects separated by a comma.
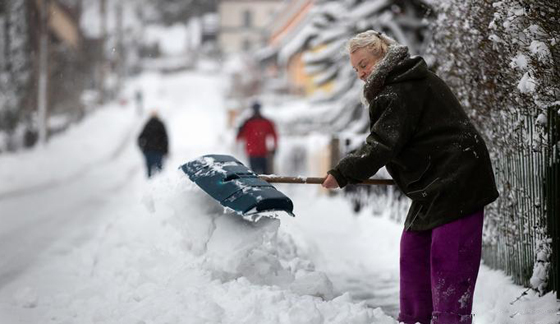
[
  {"x": 172, "y": 40},
  {"x": 85, "y": 238},
  {"x": 527, "y": 83}
]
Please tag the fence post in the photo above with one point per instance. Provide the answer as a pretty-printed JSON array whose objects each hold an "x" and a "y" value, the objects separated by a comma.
[
  {"x": 552, "y": 190},
  {"x": 334, "y": 151}
]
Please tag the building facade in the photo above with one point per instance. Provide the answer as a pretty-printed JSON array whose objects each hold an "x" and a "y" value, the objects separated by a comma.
[{"x": 243, "y": 23}]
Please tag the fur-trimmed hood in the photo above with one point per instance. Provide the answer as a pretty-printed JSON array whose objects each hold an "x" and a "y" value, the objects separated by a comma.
[{"x": 376, "y": 80}]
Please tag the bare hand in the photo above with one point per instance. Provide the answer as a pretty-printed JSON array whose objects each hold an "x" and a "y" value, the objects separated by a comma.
[{"x": 330, "y": 182}]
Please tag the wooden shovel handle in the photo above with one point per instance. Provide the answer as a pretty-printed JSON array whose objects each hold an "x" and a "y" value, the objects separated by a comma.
[{"x": 317, "y": 180}]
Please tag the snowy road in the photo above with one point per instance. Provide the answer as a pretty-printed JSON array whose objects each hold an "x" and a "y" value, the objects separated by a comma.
[
  {"x": 39, "y": 219},
  {"x": 38, "y": 212},
  {"x": 37, "y": 215}
]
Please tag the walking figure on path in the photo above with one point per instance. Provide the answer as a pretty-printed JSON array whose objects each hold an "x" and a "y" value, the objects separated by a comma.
[
  {"x": 421, "y": 134},
  {"x": 153, "y": 142},
  {"x": 255, "y": 131},
  {"x": 139, "y": 99}
]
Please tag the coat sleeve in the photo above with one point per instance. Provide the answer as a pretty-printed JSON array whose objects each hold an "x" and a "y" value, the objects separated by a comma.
[{"x": 392, "y": 125}]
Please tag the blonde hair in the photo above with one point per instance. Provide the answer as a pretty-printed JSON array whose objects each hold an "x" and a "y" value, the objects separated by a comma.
[{"x": 375, "y": 42}]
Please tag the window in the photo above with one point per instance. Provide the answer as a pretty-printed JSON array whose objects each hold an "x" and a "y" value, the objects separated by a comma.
[
  {"x": 3, "y": 38},
  {"x": 246, "y": 45}
]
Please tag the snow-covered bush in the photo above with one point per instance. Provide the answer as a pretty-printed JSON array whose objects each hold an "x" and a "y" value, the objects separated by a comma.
[
  {"x": 322, "y": 39},
  {"x": 539, "y": 279},
  {"x": 15, "y": 66},
  {"x": 502, "y": 60}
]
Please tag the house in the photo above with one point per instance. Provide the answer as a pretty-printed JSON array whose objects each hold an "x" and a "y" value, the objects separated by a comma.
[
  {"x": 243, "y": 23},
  {"x": 63, "y": 24},
  {"x": 66, "y": 56}
]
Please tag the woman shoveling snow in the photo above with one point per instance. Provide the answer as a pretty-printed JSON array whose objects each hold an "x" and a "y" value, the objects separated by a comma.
[{"x": 421, "y": 134}]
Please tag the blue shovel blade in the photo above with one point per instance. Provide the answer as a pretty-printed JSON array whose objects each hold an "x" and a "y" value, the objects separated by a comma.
[{"x": 235, "y": 186}]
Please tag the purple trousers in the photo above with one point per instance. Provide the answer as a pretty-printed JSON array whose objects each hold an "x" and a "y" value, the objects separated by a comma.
[{"x": 438, "y": 272}]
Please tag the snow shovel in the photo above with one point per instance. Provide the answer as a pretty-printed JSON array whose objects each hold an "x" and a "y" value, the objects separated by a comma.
[{"x": 236, "y": 187}]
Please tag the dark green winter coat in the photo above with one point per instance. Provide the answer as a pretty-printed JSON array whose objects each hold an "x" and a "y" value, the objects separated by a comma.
[{"x": 420, "y": 132}]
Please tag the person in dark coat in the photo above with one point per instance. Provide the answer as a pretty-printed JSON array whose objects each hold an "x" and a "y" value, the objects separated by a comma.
[
  {"x": 255, "y": 131},
  {"x": 421, "y": 134},
  {"x": 153, "y": 142}
]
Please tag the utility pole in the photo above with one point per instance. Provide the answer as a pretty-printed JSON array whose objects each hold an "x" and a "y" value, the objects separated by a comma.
[
  {"x": 120, "y": 59},
  {"x": 42, "y": 91},
  {"x": 103, "y": 68},
  {"x": 80, "y": 10}
]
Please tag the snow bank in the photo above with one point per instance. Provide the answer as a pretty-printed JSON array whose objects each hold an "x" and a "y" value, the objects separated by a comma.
[
  {"x": 174, "y": 256},
  {"x": 106, "y": 130},
  {"x": 498, "y": 300}
]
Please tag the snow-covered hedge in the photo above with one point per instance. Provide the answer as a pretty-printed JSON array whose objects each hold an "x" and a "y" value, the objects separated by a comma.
[
  {"x": 506, "y": 51},
  {"x": 15, "y": 66},
  {"x": 502, "y": 59}
]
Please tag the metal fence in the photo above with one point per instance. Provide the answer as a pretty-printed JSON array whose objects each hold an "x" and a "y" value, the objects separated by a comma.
[{"x": 525, "y": 219}]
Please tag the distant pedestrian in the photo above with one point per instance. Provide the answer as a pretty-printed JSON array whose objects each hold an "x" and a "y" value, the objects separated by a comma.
[
  {"x": 153, "y": 142},
  {"x": 424, "y": 138},
  {"x": 139, "y": 98},
  {"x": 255, "y": 131}
]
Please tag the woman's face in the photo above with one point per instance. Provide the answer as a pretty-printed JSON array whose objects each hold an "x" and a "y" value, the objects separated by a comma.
[{"x": 363, "y": 62}]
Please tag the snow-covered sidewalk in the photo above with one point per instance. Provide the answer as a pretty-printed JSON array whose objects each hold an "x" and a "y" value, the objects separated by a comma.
[{"x": 105, "y": 245}]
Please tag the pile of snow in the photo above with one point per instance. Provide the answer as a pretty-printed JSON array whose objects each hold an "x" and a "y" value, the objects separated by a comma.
[{"x": 178, "y": 257}]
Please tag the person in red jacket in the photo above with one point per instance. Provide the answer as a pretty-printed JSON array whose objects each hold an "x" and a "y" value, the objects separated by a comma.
[{"x": 255, "y": 131}]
